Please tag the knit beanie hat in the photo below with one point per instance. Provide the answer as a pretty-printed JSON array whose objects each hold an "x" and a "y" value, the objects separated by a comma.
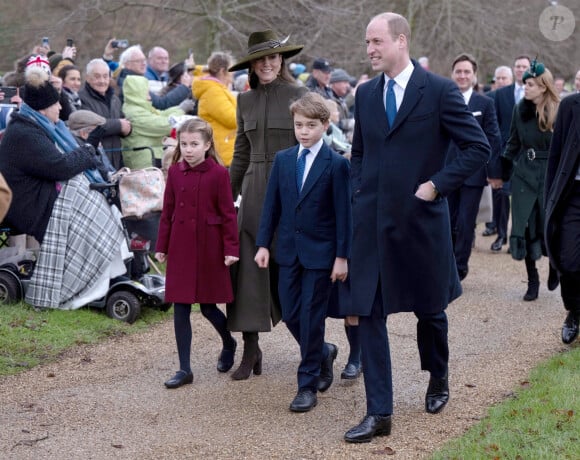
[
  {"x": 38, "y": 91},
  {"x": 38, "y": 60}
]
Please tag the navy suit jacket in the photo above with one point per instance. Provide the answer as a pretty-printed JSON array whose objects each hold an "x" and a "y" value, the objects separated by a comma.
[
  {"x": 314, "y": 226},
  {"x": 483, "y": 110},
  {"x": 399, "y": 239},
  {"x": 504, "y": 107}
]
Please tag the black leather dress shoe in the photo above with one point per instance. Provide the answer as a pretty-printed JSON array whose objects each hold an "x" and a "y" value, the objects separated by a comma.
[
  {"x": 437, "y": 395},
  {"x": 304, "y": 401},
  {"x": 226, "y": 359},
  {"x": 179, "y": 379},
  {"x": 489, "y": 232},
  {"x": 371, "y": 426},
  {"x": 326, "y": 371},
  {"x": 351, "y": 371},
  {"x": 498, "y": 244},
  {"x": 462, "y": 273},
  {"x": 571, "y": 327}
]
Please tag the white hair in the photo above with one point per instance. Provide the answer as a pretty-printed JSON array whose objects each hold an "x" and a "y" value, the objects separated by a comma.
[
  {"x": 504, "y": 68},
  {"x": 128, "y": 54},
  {"x": 93, "y": 63}
]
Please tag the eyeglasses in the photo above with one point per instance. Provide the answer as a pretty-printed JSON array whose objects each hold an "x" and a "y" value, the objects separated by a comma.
[{"x": 138, "y": 61}]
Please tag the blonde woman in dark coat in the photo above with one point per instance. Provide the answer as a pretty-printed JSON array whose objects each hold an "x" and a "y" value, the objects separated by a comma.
[{"x": 264, "y": 126}]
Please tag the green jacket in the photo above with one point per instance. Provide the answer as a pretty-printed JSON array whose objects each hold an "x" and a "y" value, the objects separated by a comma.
[
  {"x": 148, "y": 124},
  {"x": 265, "y": 126},
  {"x": 527, "y": 154}
]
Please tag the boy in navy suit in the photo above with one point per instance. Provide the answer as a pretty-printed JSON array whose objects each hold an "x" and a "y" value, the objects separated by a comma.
[{"x": 308, "y": 206}]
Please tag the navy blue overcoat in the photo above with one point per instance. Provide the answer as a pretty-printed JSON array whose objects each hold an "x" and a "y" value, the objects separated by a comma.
[{"x": 405, "y": 239}]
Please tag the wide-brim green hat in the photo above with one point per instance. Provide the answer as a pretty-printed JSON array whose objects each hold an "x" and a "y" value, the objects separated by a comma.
[{"x": 265, "y": 43}]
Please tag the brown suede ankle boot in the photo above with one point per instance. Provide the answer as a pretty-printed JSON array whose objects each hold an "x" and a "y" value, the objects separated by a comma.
[{"x": 251, "y": 358}]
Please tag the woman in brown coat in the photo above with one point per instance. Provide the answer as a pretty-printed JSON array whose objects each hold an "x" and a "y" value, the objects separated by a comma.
[{"x": 265, "y": 126}]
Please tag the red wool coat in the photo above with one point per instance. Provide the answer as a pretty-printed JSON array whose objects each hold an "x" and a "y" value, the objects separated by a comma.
[{"x": 197, "y": 230}]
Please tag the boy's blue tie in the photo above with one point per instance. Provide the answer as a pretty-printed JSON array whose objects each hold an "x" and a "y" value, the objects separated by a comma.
[
  {"x": 391, "y": 103},
  {"x": 300, "y": 166}
]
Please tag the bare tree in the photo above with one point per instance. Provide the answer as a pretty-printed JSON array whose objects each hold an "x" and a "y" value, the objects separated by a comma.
[{"x": 495, "y": 31}]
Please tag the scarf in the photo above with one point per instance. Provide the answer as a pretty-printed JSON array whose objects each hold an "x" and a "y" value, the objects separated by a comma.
[{"x": 61, "y": 136}]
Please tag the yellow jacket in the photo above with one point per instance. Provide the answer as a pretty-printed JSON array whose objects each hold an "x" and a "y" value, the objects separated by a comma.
[{"x": 217, "y": 106}]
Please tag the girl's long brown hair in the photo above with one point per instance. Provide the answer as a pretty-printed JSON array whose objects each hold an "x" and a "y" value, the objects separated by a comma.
[{"x": 197, "y": 125}]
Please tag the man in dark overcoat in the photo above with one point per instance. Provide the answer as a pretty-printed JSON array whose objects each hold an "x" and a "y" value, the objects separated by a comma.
[
  {"x": 464, "y": 202},
  {"x": 402, "y": 256},
  {"x": 562, "y": 204}
]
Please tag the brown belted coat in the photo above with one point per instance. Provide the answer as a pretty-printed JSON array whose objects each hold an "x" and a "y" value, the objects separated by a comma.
[{"x": 265, "y": 126}]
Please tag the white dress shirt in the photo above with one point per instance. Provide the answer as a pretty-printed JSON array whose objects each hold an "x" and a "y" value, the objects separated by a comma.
[
  {"x": 310, "y": 158},
  {"x": 400, "y": 85}
]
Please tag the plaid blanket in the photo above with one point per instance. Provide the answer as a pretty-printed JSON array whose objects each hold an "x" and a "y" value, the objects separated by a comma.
[{"x": 82, "y": 240}]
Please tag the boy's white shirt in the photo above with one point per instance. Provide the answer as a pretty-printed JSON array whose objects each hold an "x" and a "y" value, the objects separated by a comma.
[{"x": 310, "y": 158}]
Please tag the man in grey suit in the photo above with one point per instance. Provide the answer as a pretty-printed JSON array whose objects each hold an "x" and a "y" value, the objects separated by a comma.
[{"x": 402, "y": 254}]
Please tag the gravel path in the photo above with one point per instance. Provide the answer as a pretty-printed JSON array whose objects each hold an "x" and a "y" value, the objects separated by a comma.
[{"x": 108, "y": 401}]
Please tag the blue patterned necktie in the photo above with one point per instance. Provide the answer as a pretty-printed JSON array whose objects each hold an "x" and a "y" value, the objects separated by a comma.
[
  {"x": 390, "y": 103},
  {"x": 300, "y": 166}
]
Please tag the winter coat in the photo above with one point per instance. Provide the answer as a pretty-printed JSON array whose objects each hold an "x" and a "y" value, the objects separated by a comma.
[
  {"x": 563, "y": 164},
  {"x": 526, "y": 153},
  {"x": 32, "y": 165},
  {"x": 109, "y": 107},
  {"x": 160, "y": 102},
  {"x": 149, "y": 125},
  {"x": 265, "y": 126},
  {"x": 334, "y": 137},
  {"x": 400, "y": 241},
  {"x": 197, "y": 230},
  {"x": 217, "y": 105}
]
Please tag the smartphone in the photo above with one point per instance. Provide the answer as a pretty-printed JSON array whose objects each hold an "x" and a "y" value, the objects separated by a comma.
[
  {"x": 9, "y": 92},
  {"x": 120, "y": 43},
  {"x": 70, "y": 42},
  {"x": 45, "y": 42}
]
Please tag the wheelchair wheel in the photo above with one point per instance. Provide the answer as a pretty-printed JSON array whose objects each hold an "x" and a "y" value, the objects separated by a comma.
[
  {"x": 124, "y": 306},
  {"x": 9, "y": 289}
]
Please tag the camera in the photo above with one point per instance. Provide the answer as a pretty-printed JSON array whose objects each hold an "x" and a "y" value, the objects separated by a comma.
[
  {"x": 120, "y": 43},
  {"x": 9, "y": 92},
  {"x": 45, "y": 42},
  {"x": 70, "y": 42}
]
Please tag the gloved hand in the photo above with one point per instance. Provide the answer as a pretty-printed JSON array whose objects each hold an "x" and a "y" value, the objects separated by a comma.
[
  {"x": 95, "y": 137},
  {"x": 187, "y": 105}
]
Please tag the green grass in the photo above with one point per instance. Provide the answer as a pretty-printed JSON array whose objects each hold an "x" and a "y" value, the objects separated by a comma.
[
  {"x": 29, "y": 338},
  {"x": 540, "y": 421}
]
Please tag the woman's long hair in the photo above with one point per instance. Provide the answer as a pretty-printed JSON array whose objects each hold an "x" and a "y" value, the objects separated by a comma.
[
  {"x": 197, "y": 125},
  {"x": 547, "y": 108}
]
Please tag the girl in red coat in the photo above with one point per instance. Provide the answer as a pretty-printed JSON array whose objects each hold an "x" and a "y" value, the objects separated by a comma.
[{"x": 198, "y": 237}]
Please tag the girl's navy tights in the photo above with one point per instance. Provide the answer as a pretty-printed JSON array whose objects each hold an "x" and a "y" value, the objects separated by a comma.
[{"x": 182, "y": 327}]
